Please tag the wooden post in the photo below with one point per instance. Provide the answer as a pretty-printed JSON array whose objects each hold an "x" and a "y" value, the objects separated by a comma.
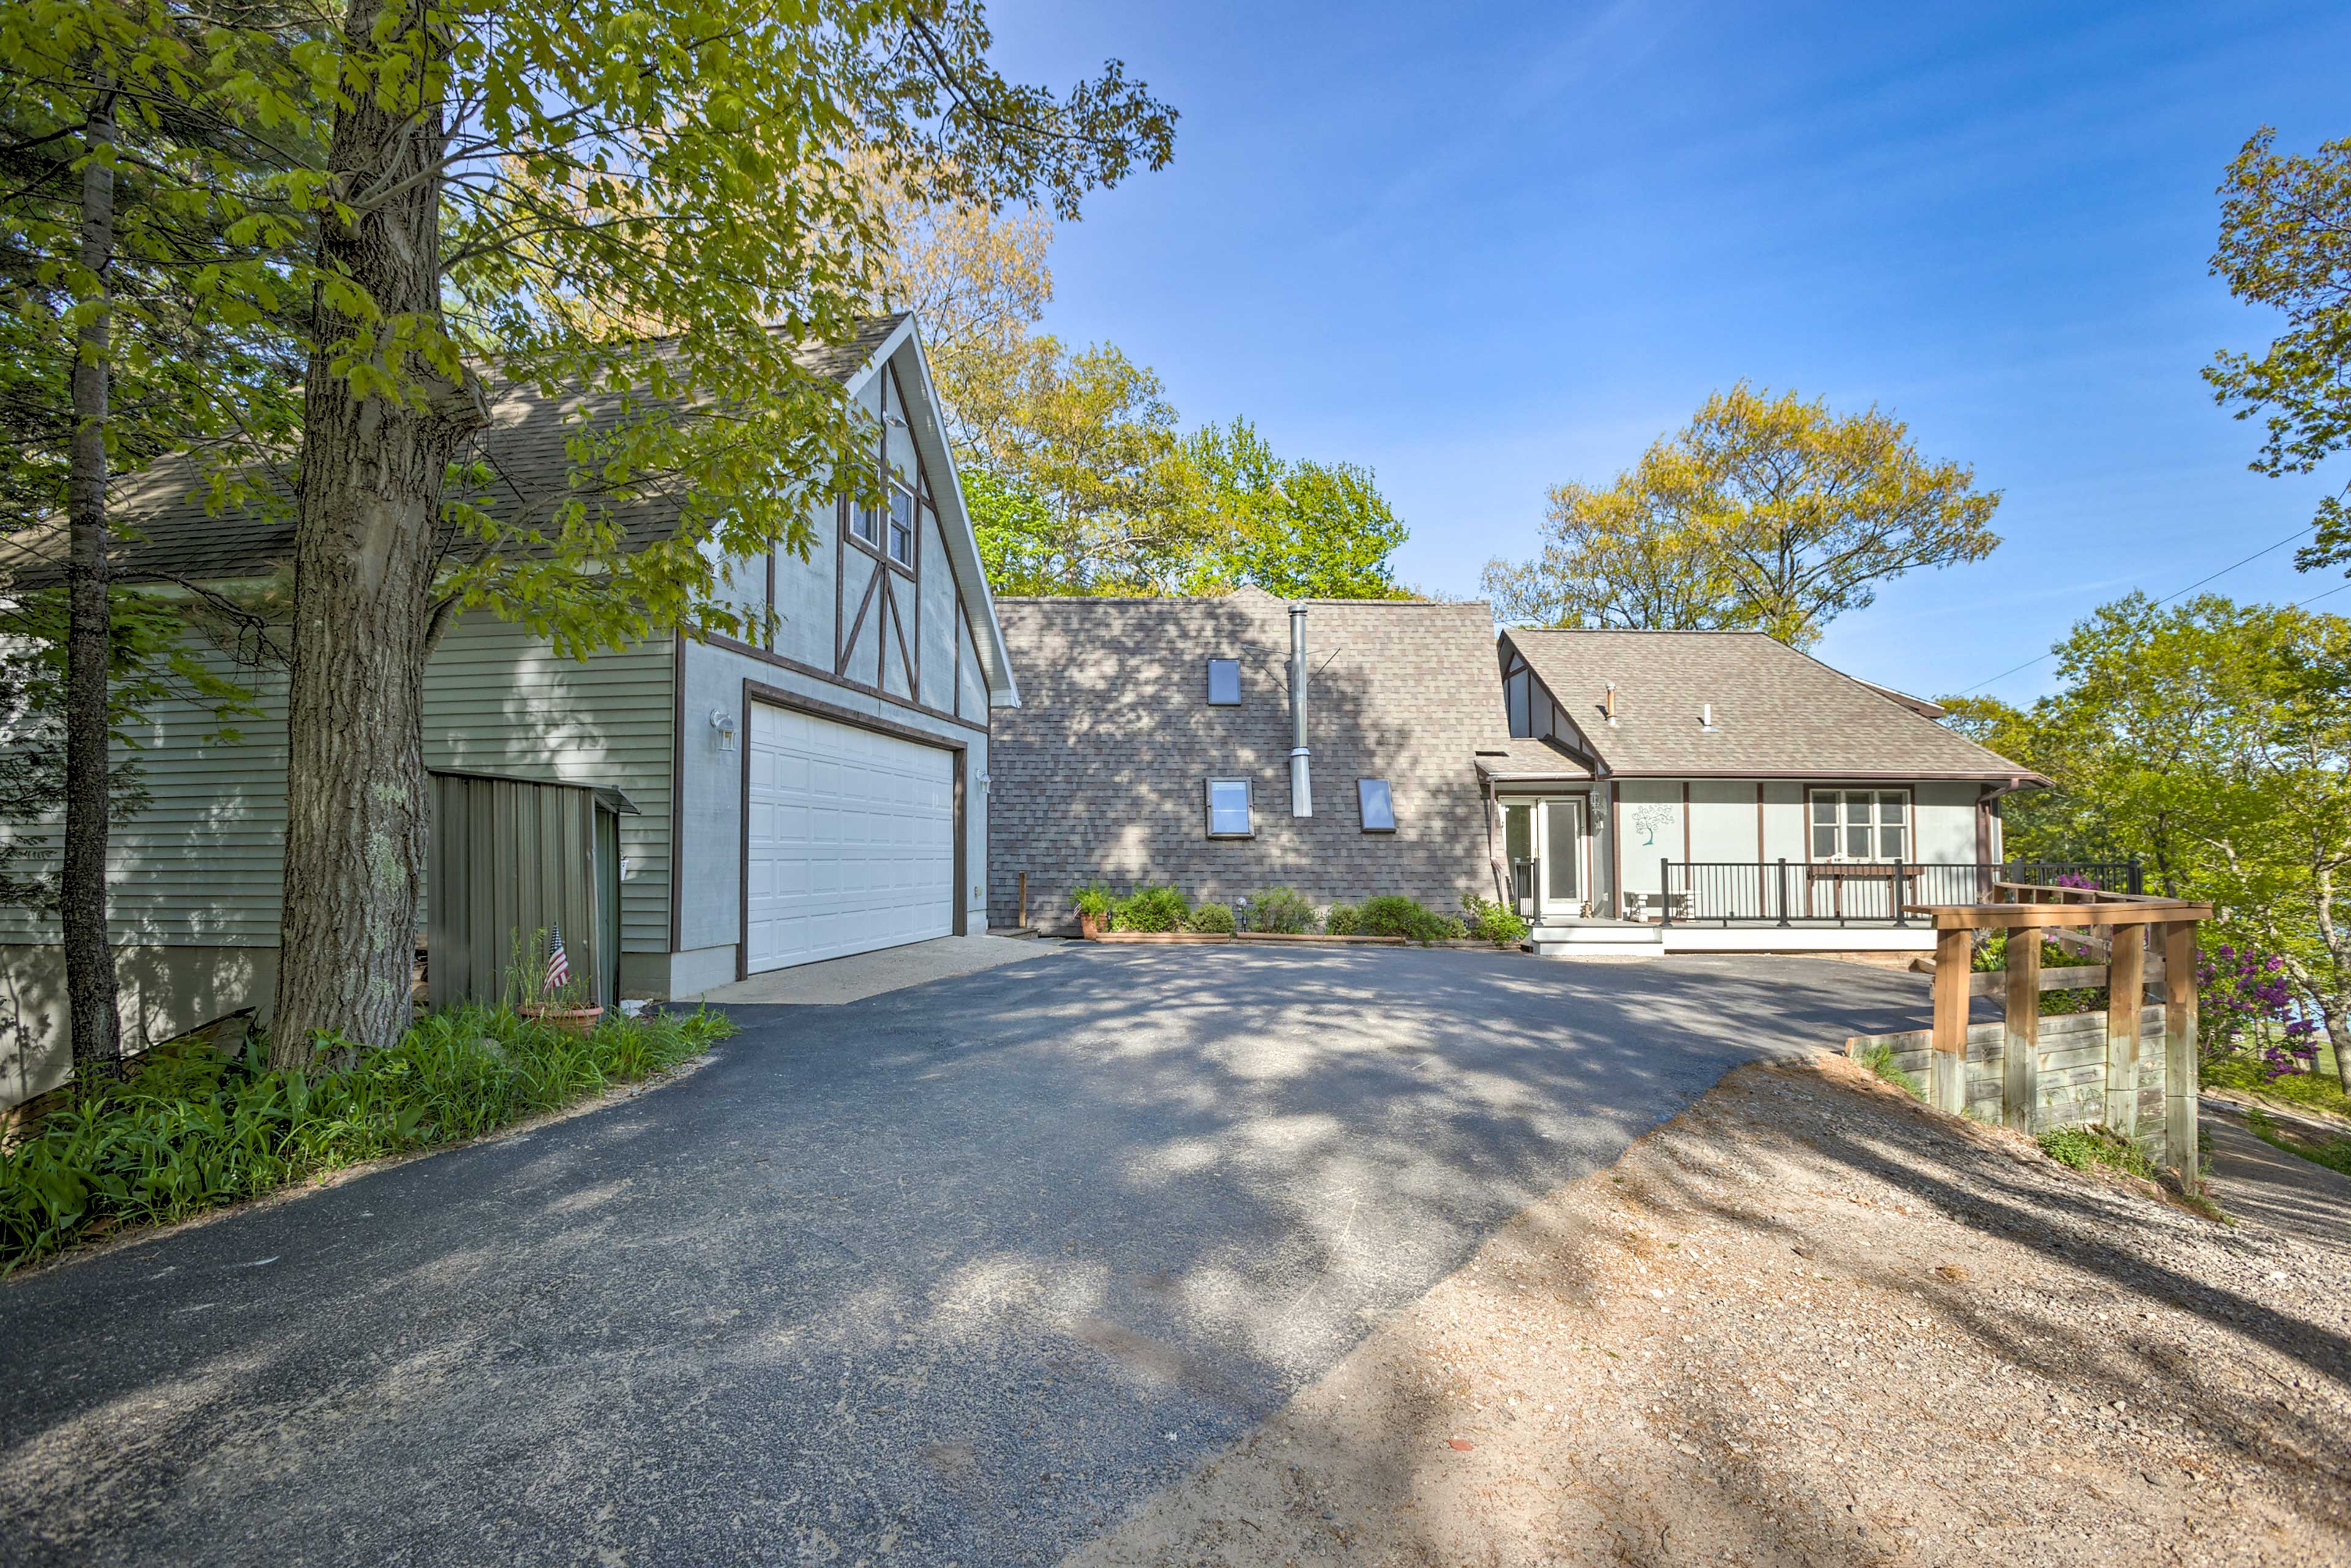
[
  {"x": 2180, "y": 1066},
  {"x": 2126, "y": 986},
  {"x": 1024, "y": 901},
  {"x": 1954, "y": 956},
  {"x": 2021, "y": 1051}
]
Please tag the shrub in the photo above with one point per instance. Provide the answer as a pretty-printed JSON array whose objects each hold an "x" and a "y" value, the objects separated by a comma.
[
  {"x": 2254, "y": 1075},
  {"x": 1392, "y": 915},
  {"x": 1092, "y": 899},
  {"x": 1282, "y": 910},
  {"x": 1493, "y": 922},
  {"x": 188, "y": 1131},
  {"x": 1345, "y": 920},
  {"x": 1150, "y": 909},
  {"x": 1215, "y": 919},
  {"x": 2082, "y": 1147}
]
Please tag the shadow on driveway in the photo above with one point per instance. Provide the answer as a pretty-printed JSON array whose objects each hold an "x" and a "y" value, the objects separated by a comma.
[{"x": 959, "y": 1272}]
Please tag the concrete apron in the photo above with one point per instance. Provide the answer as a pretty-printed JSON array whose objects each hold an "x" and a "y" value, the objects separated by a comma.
[{"x": 834, "y": 982}]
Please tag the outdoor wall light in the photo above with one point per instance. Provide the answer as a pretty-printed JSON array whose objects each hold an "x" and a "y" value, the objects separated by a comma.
[{"x": 724, "y": 723}]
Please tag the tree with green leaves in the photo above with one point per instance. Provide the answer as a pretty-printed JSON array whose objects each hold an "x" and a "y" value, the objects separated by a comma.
[
  {"x": 2285, "y": 243},
  {"x": 1766, "y": 513},
  {"x": 143, "y": 233},
  {"x": 1078, "y": 457},
  {"x": 519, "y": 193},
  {"x": 1298, "y": 529},
  {"x": 2213, "y": 739}
]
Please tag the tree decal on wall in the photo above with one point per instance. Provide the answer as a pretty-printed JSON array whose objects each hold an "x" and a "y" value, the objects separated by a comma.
[{"x": 1648, "y": 820}]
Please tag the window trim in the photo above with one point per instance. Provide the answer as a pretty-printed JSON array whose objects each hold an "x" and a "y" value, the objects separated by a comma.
[
  {"x": 1363, "y": 814},
  {"x": 1910, "y": 794},
  {"x": 1209, "y": 808},
  {"x": 896, "y": 488},
  {"x": 1212, "y": 665},
  {"x": 849, "y": 529}
]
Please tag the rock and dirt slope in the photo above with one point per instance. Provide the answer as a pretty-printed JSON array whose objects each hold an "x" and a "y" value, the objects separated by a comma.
[{"x": 1810, "y": 1323}]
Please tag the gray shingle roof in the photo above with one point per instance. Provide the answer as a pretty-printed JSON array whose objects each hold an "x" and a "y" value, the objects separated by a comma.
[
  {"x": 169, "y": 533},
  {"x": 1512, "y": 758},
  {"x": 1776, "y": 711}
]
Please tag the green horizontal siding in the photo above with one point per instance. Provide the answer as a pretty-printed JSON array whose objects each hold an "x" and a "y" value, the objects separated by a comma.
[{"x": 200, "y": 864}]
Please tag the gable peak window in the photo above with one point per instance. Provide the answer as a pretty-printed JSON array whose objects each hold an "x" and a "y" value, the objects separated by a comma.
[
  {"x": 1229, "y": 816},
  {"x": 1224, "y": 683},
  {"x": 901, "y": 525},
  {"x": 1377, "y": 805}
]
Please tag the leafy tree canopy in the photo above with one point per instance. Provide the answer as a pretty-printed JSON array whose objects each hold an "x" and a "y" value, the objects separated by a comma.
[
  {"x": 1766, "y": 513},
  {"x": 2214, "y": 740},
  {"x": 2285, "y": 243},
  {"x": 1076, "y": 471}
]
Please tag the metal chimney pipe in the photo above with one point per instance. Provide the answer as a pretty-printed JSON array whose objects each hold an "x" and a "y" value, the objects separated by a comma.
[{"x": 1302, "y": 785}]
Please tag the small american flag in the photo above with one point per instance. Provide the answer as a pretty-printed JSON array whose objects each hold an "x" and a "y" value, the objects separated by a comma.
[{"x": 558, "y": 966}]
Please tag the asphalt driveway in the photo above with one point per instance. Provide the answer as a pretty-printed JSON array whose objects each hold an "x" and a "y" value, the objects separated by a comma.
[{"x": 955, "y": 1274}]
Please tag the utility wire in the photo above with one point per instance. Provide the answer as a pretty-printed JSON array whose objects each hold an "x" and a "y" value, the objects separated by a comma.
[{"x": 2168, "y": 597}]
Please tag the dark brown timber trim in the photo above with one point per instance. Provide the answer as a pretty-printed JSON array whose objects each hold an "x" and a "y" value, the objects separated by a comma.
[
  {"x": 676, "y": 791},
  {"x": 960, "y": 925},
  {"x": 742, "y": 849},
  {"x": 905, "y": 660},
  {"x": 850, "y": 647},
  {"x": 785, "y": 662}
]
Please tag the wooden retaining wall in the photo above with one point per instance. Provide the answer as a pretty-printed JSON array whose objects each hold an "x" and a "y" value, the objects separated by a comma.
[{"x": 2069, "y": 1081}]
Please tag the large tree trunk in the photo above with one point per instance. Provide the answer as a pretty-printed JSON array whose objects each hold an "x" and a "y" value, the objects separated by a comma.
[
  {"x": 81, "y": 903},
  {"x": 367, "y": 504},
  {"x": 2339, "y": 1035}
]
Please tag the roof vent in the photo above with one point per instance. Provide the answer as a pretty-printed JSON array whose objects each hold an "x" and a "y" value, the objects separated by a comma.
[
  {"x": 1608, "y": 702},
  {"x": 1706, "y": 717}
]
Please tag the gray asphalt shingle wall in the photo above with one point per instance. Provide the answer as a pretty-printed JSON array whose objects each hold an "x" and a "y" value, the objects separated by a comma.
[{"x": 1100, "y": 772}]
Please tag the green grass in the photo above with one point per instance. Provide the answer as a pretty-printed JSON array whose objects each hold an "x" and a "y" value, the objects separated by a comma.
[
  {"x": 2335, "y": 1153},
  {"x": 2082, "y": 1147},
  {"x": 2311, "y": 1091},
  {"x": 1879, "y": 1058},
  {"x": 189, "y": 1130}
]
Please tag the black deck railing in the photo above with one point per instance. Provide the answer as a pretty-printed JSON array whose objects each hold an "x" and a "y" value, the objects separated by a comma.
[{"x": 1857, "y": 893}]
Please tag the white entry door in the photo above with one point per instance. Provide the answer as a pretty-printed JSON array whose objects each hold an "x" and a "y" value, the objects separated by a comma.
[
  {"x": 851, "y": 840},
  {"x": 1548, "y": 857}
]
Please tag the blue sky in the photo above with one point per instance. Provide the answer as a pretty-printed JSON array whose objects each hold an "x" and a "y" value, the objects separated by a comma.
[{"x": 1482, "y": 249}]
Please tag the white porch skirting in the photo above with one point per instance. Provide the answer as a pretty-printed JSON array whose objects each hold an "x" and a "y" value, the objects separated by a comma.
[{"x": 1614, "y": 939}]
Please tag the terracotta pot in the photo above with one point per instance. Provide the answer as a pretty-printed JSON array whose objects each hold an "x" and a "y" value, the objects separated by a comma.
[
  {"x": 580, "y": 1022},
  {"x": 1092, "y": 926}
]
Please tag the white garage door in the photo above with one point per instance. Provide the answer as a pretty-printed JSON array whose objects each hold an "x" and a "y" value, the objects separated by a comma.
[{"x": 851, "y": 840}]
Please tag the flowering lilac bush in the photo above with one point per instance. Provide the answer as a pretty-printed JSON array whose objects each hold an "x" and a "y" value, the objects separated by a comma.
[{"x": 2245, "y": 1003}]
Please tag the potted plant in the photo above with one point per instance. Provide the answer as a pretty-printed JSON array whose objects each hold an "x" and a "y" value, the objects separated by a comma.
[
  {"x": 1093, "y": 910},
  {"x": 543, "y": 988}
]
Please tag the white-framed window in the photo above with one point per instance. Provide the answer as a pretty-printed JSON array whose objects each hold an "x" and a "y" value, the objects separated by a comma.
[
  {"x": 1229, "y": 816},
  {"x": 1868, "y": 825},
  {"x": 1517, "y": 690},
  {"x": 1224, "y": 683},
  {"x": 865, "y": 523},
  {"x": 1377, "y": 805},
  {"x": 901, "y": 526}
]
